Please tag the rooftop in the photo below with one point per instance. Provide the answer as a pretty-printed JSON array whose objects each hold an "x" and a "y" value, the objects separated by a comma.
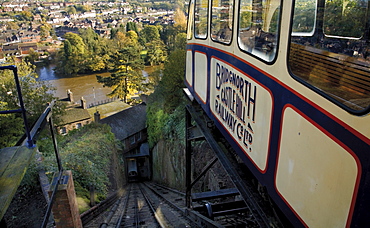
[{"x": 128, "y": 121}]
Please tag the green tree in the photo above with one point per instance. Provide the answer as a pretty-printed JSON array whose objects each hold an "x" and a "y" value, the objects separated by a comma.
[
  {"x": 97, "y": 51},
  {"x": 131, "y": 26},
  {"x": 165, "y": 105},
  {"x": 149, "y": 33},
  {"x": 71, "y": 10},
  {"x": 45, "y": 31},
  {"x": 11, "y": 126},
  {"x": 83, "y": 8},
  {"x": 180, "y": 41},
  {"x": 94, "y": 43},
  {"x": 156, "y": 52},
  {"x": 126, "y": 77},
  {"x": 36, "y": 94},
  {"x": 173, "y": 79},
  {"x": 25, "y": 16},
  {"x": 12, "y": 25},
  {"x": 73, "y": 55},
  {"x": 33, "y": 56},
  {"x": 87, "y": 152},
  {"x": 155, "y": 77},
  {"x": 132, "y": 35},
  {"x": 304, "y": 16}
]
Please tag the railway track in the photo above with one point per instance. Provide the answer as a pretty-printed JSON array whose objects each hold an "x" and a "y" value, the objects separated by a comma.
[
  {"x": 139, "y": 210},
  {"x": 143, "y": 206},
  {"x": 152, "y": 205}
]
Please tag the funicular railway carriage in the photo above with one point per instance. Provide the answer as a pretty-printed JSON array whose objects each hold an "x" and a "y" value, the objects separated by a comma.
[
  {"x": 132, "y": 170},
  {"x": 288, "y": 85}
]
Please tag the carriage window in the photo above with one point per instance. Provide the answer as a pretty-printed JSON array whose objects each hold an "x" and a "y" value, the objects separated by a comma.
[
  {"x": 201, "y": 18},
  {"x": 304, "y": 17},
  {"x": 258, "y": 27},
  {"x": 222, "y": 20},
  {"x": 189, "y": 33},
  {"x": 345, "y": 18},
  {"x": 336, "y": 62}
]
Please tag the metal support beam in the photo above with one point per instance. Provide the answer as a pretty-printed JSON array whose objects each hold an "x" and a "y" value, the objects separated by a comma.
[
  {"x": 188, "y": 149},
  {"x": 204, "y": 171},
  {"x": 245, "y": 191}
]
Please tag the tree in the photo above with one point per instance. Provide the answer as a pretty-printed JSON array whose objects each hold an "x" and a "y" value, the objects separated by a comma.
[
  {"x": 126, "y": 77},
  {"x": 173, "y": 79},
  {"x": 180, "y": 20},
  {"x": 180, "y": 41},
  {"x": 71, "y": 10},
  {"x": 73, "y": 55},
  {"x": 11, "y": 126},
  {"x": 155, "y": 77},
  {"x": 36, "y": 94},
  {"x": 97, "y": 52},
  {"x": 12, "y": 25},
  {"x": 156, "y": 52},
  {"x": 131, "y": 26},
  {"x": 83, "y": 8},
  {"x": 87, "y": 152},
  {"x": 33, "y": 56},
  {"x": 132, "y": 35},
  {"x": 45, "y": 30},
  {"x": 345, "y": 18},
  {"x": 149, "y": 33},
  {"x": 25, "y": 16}
]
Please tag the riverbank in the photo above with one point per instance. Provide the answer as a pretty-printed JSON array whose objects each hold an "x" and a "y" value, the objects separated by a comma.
[{"x": 85, "y": 86}]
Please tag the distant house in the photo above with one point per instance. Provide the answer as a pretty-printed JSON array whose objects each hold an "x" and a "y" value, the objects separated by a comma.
[
  {"x": 26, "y": 47},
  {"x": 11, "y": 50},
  {"x": 37, "y": 17},
  {"x": 76, "y": 115}
]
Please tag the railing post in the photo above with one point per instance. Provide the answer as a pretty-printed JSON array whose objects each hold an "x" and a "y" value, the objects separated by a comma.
[
  {"x": 53, "y": 136},
  {"x": 20, "y": 97}
]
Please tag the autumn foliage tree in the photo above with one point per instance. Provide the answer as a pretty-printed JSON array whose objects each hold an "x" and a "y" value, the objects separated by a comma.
[{"x": 126, "y": 77}]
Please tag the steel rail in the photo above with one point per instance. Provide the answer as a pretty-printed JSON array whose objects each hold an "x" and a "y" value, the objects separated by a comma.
[
  {"x": 152, "y": 208},
  {"x": 125, "y": 205}
]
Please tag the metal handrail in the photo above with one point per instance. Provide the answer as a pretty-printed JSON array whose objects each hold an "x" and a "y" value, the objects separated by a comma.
[{"x": 32, "y": 134}]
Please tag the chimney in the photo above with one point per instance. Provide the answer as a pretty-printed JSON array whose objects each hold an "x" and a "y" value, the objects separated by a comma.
[
  {"x": 96, "y": 117},
  {"x": 83, "y": 103},
  {"x": 70, "y": 96}
]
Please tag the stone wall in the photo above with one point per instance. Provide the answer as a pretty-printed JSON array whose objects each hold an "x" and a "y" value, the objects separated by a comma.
[{"x": 169, "y": 167}]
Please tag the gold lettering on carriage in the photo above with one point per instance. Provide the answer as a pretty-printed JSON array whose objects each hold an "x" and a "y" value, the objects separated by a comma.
[{"x": 235, "y": 103}]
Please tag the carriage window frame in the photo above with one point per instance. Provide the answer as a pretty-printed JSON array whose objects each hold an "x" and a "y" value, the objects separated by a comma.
[
  {"x": 252, "y": 51},
  {"x": 198, "y": 22},
  {"x": 226, "y": 32},
  {"x": 348, "y": 100}
]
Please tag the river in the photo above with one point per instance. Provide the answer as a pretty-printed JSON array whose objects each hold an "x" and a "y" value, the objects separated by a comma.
[{"x": 81, "y": 86}]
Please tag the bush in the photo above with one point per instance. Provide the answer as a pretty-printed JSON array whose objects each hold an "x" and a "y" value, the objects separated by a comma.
[
  {"x": 87, "y": 152},
  {"x": 165, "y": 108}
]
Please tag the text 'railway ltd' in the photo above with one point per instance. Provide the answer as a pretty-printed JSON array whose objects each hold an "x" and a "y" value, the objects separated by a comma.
[{"x": 235, "y": 102}]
